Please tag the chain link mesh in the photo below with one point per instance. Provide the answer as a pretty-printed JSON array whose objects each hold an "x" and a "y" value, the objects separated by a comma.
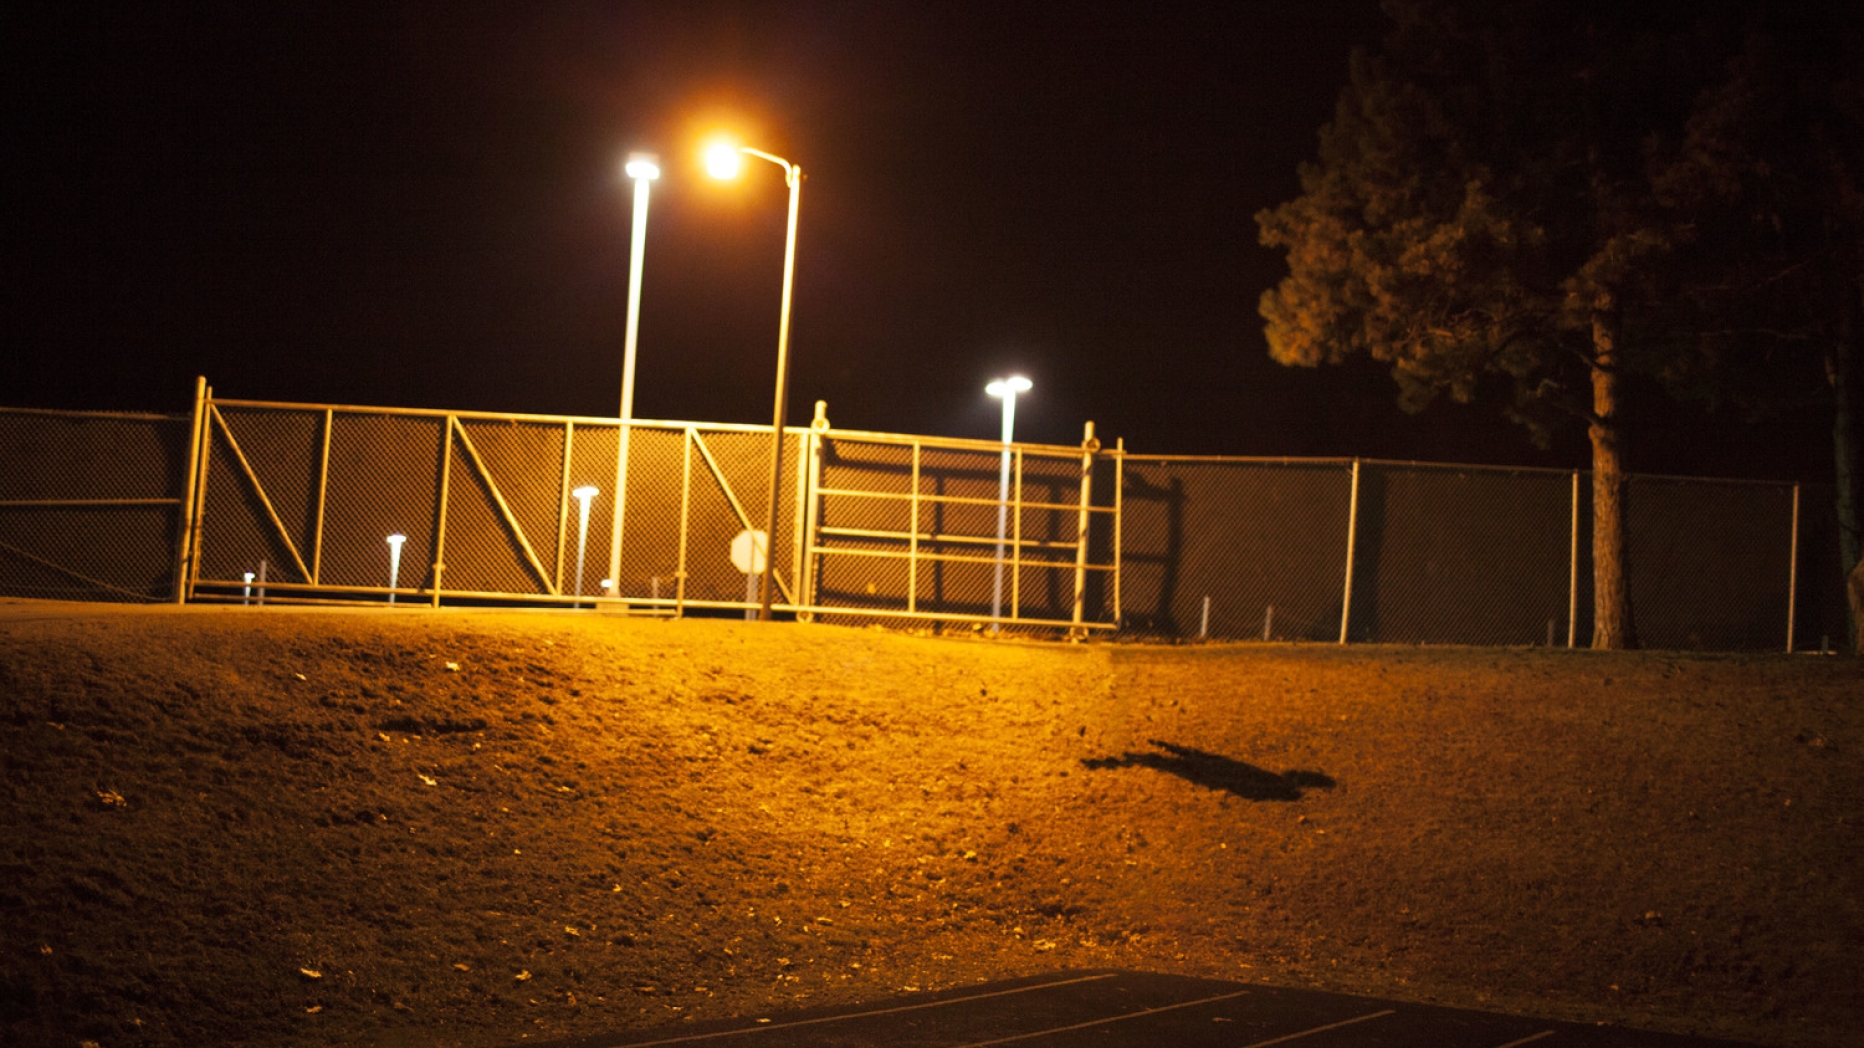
[
  {"x": 129, "y": 471},
  {"x": 1710, "y": 563},
  {"x": 1263, "y": 541},
  {"x": 1461, "y": 556}
]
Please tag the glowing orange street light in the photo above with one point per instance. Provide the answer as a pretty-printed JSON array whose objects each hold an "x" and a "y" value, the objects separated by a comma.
[{"x": 724, "y": 160}]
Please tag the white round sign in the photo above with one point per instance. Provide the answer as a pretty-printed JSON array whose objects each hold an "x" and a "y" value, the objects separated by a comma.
[{"x": 747, "y": 552}]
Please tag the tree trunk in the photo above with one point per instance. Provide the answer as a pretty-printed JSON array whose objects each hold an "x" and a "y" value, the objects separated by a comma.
[
  {"x": 1847, "y": 380},
  {"x": 1612, "y": 626}
]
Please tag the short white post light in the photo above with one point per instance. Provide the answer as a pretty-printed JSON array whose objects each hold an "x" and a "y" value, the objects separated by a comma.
[
  {"x": 582, "y": 495},
  {"x": 246, "y": 597},
  {"x": 394, "y": 564},
  {"x": 1007, "y": 388}
]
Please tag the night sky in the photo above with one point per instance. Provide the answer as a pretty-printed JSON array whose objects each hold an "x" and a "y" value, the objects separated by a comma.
[{"x": 420, "y": 205}]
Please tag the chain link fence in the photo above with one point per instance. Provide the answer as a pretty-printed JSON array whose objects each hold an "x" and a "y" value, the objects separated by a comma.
[
  {"x": 299, "y": 502},
  {"x": 1263, "y": 549},
  {"x": 90, "y": 504}
]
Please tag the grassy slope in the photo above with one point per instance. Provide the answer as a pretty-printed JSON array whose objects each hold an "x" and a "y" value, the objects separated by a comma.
[{"x": 633, "y": 822}]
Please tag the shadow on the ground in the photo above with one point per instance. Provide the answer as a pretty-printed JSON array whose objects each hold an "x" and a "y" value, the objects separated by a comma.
[{"x": 1215, "y": 772}]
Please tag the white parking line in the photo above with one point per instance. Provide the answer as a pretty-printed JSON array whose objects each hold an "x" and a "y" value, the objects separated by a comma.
[
  {"x": 687, "y": 1038},
  {"x": 1318, "y": 1029},
  {"x": 1526, "y": 1040},
  {"x": 1103, "y": 1022}
]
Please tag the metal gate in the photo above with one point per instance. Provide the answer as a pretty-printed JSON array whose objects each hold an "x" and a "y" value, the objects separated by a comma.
[
  {"x": 340, "y": 504},
  {"x": 904, "y": 527}
]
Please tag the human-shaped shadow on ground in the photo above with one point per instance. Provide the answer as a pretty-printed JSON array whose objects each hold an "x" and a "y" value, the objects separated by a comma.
[{"x": 1215, "y": 772}]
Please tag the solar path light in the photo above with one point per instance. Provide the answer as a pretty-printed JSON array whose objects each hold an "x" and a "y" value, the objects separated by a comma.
[
  {"x": 1007, "y": 388},
  {"x": 642, "y": 169},
  {"x": 724, "y": 160},
  {"x": 583, "y": 495},
  {"x": 394, "y": 564}
]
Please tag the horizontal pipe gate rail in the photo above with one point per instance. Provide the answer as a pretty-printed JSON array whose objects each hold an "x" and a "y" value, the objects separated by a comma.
[{"x": 263, "y": 502}]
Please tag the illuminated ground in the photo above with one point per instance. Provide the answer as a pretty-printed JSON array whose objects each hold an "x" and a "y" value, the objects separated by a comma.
[{"x": 296, "y": 827}]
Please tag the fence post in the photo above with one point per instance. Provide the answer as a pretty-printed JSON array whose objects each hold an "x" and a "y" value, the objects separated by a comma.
[
  {"x": 1089, "y": 445},
  {"x": 323, "y": 491},
  {"x": 184, "y": 540},
  {"x": 812, "y": 509},
  {"x": 686, "y": 502},
  {"x": 1119, "y": 494},
  {"x": 1792, "y": 578},
  {"x": 563, "y": 499},
  {"x": 440, "y": 514},
  {"x": 1572, "y": 579},
  {"x": 1352, "y": 537},
  {"x": 912, "y": 542}
]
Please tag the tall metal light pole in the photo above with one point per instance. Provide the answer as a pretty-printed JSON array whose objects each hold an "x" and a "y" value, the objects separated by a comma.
[
  {"x": 643, "y": 169},
  {"x": 1007, "y": 388},
  {"x": 723, "y": 161}
]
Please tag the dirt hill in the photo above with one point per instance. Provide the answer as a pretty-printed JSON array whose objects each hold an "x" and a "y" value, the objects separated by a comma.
[{"x": 273, "y": 827}]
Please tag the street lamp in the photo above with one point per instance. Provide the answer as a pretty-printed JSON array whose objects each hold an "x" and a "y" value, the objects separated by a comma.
[
  {"x": 725, "y": 161},
  {"x": 643, "y": 169},
  {"x": 582, "y": 495},
  {"x": 1007, "y": 388}
]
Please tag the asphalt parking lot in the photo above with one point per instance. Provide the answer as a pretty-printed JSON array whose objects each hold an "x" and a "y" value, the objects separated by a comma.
[{"x": 1112, "y": 1009}]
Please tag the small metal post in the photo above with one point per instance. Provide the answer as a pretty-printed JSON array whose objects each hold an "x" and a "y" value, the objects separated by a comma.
[
  {"x": 262, "y": 583},
  {"x": 1203, "y": 624},
  {"x": 1352, "y": 537},
  {"x": 1268, "y": 623},
  {"x": 1792, "y": 578}
]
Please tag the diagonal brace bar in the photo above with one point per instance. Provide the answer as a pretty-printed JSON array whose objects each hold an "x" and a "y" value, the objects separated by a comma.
[
  {"x": 743, "y": 517},
  {"x": 504, "y": 509},
  {"x": 259, "y": 490}
]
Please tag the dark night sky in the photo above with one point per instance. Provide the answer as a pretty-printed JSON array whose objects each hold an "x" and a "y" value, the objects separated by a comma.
[{"x": 419, "y": 205}]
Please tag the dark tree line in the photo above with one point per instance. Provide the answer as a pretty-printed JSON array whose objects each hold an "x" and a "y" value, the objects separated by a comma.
[{"x": 1537, "y": 200}]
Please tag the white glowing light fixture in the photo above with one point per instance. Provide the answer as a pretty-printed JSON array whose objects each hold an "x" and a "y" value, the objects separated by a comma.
[
  {"x": 1006, "y": 388},
  {"x": 582, "y": 496},
  {"x": 643, "y": 168},
  {"x": 394, "y": 564},
  {"x": 246, "y": 598},
  {"x": 723, "y": 160}
]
